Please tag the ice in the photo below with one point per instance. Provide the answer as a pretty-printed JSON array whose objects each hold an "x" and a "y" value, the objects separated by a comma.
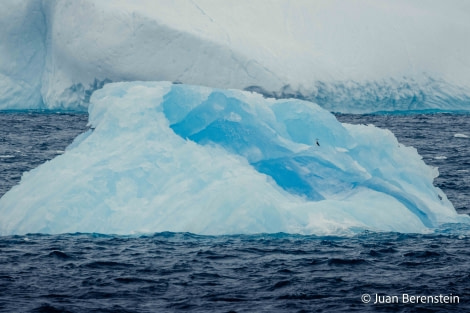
[
  {"x": 172, "y": 157},
  {"x": 22, "y": 54},
  {"x": 361, "y": 56}
]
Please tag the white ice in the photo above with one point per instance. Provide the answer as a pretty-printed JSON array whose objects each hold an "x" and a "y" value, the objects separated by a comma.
[{"x": 348, "y": 56}]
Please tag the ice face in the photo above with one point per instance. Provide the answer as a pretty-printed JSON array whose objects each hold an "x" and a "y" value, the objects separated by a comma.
[
  {"x": 348, "y": 57},
  {"x": 166, "y": 157},
  {"x": 22, "y": 54}
]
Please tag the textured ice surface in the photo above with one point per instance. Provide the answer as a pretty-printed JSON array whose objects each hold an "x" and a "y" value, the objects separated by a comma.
[
  {"x": 361, "y": 56},
  {"x": 172, "y": 157}
]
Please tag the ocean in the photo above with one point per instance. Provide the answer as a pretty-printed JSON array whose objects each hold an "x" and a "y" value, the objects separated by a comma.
[{"x": 167, "y": 272}]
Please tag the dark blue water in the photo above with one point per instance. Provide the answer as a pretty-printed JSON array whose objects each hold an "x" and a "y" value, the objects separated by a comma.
[
  {"x": 169, "y": 272},
  {"x": 265, "y": 273},
  {"x": 29, "y": 139}
]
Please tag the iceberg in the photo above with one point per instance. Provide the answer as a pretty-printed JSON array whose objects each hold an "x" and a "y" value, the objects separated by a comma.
[
  {"x": 358, "y": 57},
  {"x": 172, "y": 157}
]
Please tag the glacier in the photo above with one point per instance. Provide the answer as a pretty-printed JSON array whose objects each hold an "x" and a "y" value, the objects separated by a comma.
[
  {"x": 362, "y": 56},
  {"x": 172, "y": 157}
]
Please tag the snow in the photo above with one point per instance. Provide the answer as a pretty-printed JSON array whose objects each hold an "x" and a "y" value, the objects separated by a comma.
[
  {"x": 173, "y": 157},
  {"x": 359, "y": 56}
]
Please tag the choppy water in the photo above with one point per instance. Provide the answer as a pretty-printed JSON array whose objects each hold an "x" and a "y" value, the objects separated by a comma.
[
  {"x": 29, "y": 139},
  {"x": 169, "y": 272},
  {"x": 265, "y": 273}
]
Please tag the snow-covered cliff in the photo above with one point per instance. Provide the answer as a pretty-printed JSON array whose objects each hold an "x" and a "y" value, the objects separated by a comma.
[{"x": 349, "y": 56}]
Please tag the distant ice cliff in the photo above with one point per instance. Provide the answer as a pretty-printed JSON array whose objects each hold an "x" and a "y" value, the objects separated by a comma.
[{"x": 348, "y": 56}]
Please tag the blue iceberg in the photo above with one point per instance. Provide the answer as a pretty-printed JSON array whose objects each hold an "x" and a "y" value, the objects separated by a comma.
[{"x": 173, "y": 157}]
